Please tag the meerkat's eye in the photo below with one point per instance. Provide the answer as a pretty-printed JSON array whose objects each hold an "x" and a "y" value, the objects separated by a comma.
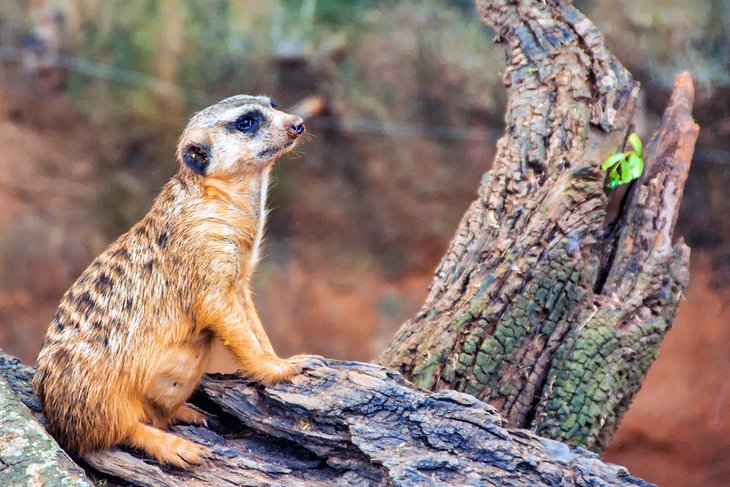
[
  {"x": 245, "y": 123},
  {"x": 248, "y": 122}
]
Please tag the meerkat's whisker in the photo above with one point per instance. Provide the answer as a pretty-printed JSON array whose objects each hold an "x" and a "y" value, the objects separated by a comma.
[{"x": 309, "y": 136}]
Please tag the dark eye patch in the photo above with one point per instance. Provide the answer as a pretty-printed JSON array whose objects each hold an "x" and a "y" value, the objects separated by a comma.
[
  {"x": 248, "y": 122},
  {"x": 197, "y": 158}
]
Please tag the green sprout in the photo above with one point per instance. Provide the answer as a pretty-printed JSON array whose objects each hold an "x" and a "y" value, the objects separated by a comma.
[{"x": 625, "y": 166}]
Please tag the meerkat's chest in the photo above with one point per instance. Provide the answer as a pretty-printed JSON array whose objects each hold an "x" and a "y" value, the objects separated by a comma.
[{"x": 260, "y": 211}]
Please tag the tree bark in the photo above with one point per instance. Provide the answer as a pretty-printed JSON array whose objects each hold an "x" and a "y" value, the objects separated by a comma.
[
  {"x": 344, "y": 424},
  {"x": 28, "y": 455},
  {"x": 542, "y": 305}
]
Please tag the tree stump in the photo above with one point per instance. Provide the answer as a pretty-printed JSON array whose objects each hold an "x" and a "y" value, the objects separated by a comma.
[{"x": 543, "y": 305}]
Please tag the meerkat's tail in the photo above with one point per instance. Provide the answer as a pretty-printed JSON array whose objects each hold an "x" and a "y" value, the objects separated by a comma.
[{"x": 79, "y": 412}]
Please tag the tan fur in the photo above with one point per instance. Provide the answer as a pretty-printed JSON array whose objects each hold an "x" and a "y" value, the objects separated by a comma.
[{"x": 132, "y": 336}]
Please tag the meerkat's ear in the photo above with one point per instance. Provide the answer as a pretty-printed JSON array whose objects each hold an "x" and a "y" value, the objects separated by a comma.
[{"x": 197, "y": 157}]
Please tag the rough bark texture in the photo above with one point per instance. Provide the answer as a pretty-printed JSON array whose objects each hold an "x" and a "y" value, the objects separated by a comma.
[
  {"x": 345, "y": 424},
  {"x": 541, "y": 306},
  {"x": 28, "y": 456}
]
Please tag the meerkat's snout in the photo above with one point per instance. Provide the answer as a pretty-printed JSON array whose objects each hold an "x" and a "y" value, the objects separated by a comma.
[{"x": 297, "y": 128}]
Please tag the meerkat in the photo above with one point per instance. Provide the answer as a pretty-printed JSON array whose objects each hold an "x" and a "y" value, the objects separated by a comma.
[{"x": 132, "y": 336}]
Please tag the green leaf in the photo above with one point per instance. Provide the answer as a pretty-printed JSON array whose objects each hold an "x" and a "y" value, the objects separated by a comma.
[
  {"x": 614, "y": 177},
  {"x": 633, "y": 167},
  {"x": 635, "y": 142},
  {"x": 625, "y": 166},
  {"x": 623, "y": 172},
  {"x": 612, "y": 160}
]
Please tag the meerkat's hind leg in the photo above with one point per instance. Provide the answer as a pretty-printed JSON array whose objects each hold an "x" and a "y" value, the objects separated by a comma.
[
  {"x": 165, "y": 447},
  {"x": 173, "y": 381}
]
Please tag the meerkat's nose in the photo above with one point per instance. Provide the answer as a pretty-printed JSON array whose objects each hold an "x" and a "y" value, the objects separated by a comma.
[{"x": 297, "y": 128}]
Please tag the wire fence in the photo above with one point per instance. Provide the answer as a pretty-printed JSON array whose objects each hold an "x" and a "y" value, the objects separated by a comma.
[{"x": 351, "y": 124}]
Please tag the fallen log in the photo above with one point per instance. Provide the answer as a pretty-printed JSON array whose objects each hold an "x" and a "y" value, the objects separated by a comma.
[{"x": 348, "y": 423}]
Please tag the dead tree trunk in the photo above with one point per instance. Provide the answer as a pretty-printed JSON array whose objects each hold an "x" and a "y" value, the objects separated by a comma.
[{"x": 542, "y": 306}]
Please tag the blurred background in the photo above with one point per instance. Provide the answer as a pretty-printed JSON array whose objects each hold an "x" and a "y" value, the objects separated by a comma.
[{"x": 406, "y": 104}]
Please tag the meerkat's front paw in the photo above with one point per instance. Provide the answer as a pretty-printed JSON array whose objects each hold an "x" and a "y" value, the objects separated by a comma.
[
  {"x": 307, "y": 362},
  {"x": 278, "y": 370}
]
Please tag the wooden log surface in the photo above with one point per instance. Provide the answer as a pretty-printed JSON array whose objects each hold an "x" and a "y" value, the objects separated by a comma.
[
  {"x": 28, "y": 455},
  {"x": 347, "y": 423}
]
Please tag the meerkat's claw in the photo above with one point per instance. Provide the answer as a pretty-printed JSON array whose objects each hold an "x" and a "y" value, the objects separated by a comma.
[
  {"x": 187, "y": 456},
  {"x": 277, "y": 369},
  {"x": 188, "y": 415},
  {"x": 308, "y": 362},
  {"x": 166, "y": 447},
  {"x": 191, "y": 454}
]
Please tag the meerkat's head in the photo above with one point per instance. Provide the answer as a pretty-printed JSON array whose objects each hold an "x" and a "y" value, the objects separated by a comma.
[{"x": 238, "y": 135}]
